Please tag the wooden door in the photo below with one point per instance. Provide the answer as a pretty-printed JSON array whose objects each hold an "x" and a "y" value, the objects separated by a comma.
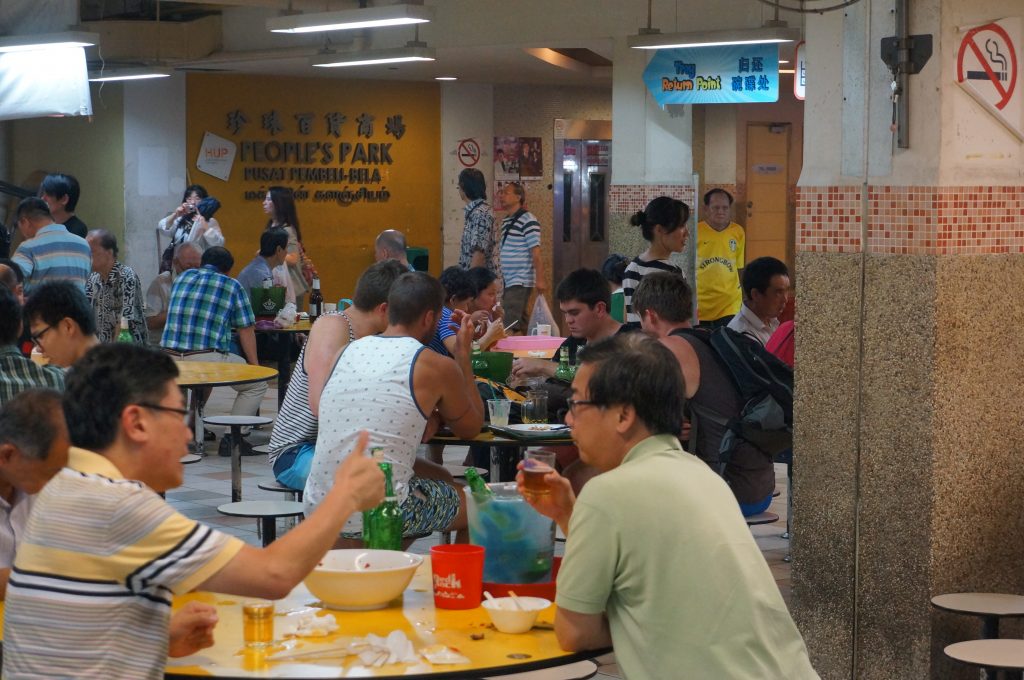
[{"x": 768, "y": 225}]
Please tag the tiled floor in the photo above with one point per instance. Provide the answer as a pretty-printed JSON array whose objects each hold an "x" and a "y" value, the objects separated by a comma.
[{"x": 208, "y": 484}]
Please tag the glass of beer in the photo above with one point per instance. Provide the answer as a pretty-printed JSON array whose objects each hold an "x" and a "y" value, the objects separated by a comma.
[
  {"x": 535, "y": 408},
  {"x": 258, "y": 624},
  {"x": 536, "y": 464}
]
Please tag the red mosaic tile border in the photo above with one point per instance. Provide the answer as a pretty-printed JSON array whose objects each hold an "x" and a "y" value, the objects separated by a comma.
[
  {"x": 912, "y": 220},
  {"x": 628, "y": 198}
]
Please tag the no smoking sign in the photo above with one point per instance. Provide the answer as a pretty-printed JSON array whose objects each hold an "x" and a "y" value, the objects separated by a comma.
[
  {"x": 468, "y": 152},
  {"x": 988, "y": 67}
]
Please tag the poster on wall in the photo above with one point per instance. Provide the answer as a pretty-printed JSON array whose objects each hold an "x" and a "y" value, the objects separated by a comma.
[
  {"x": 721, "y": 74},
  {"x": 518, "y": 158},
  {"x": 216, "y": 156}
]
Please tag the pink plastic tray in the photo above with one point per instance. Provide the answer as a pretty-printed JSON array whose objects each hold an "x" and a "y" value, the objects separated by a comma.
[{"x": 528, "y": 342}]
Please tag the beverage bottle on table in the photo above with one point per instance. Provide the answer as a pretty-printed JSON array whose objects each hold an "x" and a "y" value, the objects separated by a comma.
[
  {"x": 564, "y": 371},
  {"x": 125, "y": 335},
  {"x": 382, "y": 526},
  {"x": 479, "y": 363},
  {"x": 316, "y": 301},
  {"x": 477, "y": 485}
]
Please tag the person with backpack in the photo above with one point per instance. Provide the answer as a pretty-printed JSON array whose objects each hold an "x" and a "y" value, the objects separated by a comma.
[
  {"x": 765, "y": 294},
  {"x": 723, "y": 410}
]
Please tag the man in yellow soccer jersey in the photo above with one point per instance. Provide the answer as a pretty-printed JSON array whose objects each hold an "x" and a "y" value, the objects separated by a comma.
[{"x": 720, "y": 257}]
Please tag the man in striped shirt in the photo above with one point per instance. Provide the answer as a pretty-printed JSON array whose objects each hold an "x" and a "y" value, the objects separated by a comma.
[
  {"x": 49, "y": 252},
  {"x": 103, "y": 555},
  {"x": 519, "y": 254}
]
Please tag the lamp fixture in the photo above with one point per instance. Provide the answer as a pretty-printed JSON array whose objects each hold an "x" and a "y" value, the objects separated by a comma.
[
  {"x": 42, "y": 41},
  {"x": 445, "y": 78},
  {"x": 368, "y": 17},
  {"x": 413, "y": 51},
  {"x": 653, "y": 39},
  {"x": 107, "y": 75}
]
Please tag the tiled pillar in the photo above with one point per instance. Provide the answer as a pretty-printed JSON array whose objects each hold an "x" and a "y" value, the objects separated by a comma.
[{"x": 908, "y": 476}]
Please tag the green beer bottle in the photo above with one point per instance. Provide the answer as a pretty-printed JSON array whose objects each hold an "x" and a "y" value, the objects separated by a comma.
[
  {"x": 125, "y": 335},
  {"x": 564, "y": 370},
  {"x": 477, "y": 485},
  {"x": 382, "y": 526}
]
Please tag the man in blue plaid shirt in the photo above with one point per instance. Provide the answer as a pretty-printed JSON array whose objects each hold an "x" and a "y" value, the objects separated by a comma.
[{"x": 205, "y": 306}]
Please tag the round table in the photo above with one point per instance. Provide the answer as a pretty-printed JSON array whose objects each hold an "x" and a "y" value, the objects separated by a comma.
[
  {"x": 493, "y": 654},
  {"x": 196, "y": 375},
  {"x": 503, "y": 466}
]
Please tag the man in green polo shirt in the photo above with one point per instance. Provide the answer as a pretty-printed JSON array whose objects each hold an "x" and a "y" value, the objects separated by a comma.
[{"x": 658, "y": 560}]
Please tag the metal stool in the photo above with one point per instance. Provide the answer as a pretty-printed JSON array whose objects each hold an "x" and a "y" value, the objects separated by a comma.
[
  {"x": 991, "y": 655},
  {"x": 190, "y": 458},
  {"x": 274, "y": 485},
  {"x": 236, "y": 423},
  {"x": 761, "y": 518},
  {"x": 989, "y": 607},
  {"x": 266, "y": 512}
]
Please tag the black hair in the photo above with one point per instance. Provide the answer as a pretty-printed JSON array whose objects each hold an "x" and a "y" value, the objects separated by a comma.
[
  {"x": 54, "y": 301},
  {"x": 33, "y": 208},
  {"x": 15, "y": 267},
  {"x": 106, "y": 380},
  {"x": 457, "y": 284},
  {"x": 9, "y": 276},
  {"x": 473, "y": 183},
  {"x": 614, "y": 268},
  {"x": 218, "y": 256},
  {"x": 197, "y": 189},
  {"x": 668, "y": 212},
  {"x": 271, "y": 240},
  {"x": 10, "y": 317},
  {"x": 636, "y": 369},
  {"x": 283, "y": 200},
  {"x": 28, "y": 421},
  {"x": 717, "y": 190},
  {"x": 666, "y": 293},
  {"x": 107, "y": 240},
  {"x": 586, "y": 286},
  {"x": 481, "y": 278},
  {"x": 374, "y": 285},
  {"x": 59, "y": 185},
  {"x": 757, "y": 275},
  {"x": 413, "y": 295}
]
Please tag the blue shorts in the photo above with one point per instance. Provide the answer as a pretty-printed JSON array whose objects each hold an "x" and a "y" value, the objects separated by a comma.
[
  {"x": 292, "y": 467},
  {"x": 756, "y": 508},
  {"x": 432, "y": 505}
]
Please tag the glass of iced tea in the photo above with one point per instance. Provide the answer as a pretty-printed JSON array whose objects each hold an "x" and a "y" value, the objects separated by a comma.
[
  {"x": 258, "y": 624},
  {"x": 536, "y": 464}
]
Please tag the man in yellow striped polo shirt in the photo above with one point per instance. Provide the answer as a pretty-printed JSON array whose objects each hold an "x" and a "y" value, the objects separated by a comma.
[{"x": 103, "y": 555}]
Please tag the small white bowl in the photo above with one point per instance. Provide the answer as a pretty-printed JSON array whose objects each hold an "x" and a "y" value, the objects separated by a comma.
[
  {"x": 358, "y": 580},
  {"x": 507, "y": 618}
]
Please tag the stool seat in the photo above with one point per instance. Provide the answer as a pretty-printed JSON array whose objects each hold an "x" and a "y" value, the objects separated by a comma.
[
  {"x": 262, "y": 448},
  {"x": 998, "y": 654},
  {"x": 981, "y": 604},
  {"x": 190, "y": 458},
  {"x": 244, "y": 421},
  {"x": 274, "y": 485},
  {"x": 761, "y": 518},
  {"x": 261, "y": 509}
]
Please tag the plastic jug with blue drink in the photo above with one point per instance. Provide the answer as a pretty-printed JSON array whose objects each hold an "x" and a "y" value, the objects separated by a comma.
[{"x": 519, "y": 542}]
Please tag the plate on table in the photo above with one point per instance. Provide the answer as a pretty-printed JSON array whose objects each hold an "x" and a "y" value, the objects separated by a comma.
[{"x": 534, "y": 431}]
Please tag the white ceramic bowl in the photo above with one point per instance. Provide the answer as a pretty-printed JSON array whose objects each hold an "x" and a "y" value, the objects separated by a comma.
[
  {"x": 507, "y": 618},
  {"x": 358, "y": 580}
]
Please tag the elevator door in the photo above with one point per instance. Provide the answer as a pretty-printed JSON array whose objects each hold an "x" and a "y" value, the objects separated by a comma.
[{"x": 581, "y": 182}]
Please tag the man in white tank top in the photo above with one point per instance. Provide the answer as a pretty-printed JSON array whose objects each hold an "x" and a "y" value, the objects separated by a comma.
[{"x": 387, "y": 385}]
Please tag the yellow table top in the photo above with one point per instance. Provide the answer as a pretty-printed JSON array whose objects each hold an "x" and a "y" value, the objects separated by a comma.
[
  {"x": 493, "y": 439},
  {"x": 414, "y": 614},
  {"x": 213, "y": 373}
]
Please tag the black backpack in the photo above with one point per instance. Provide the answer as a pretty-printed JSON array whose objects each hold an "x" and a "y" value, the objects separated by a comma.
[{"x": 765, "y": 385}]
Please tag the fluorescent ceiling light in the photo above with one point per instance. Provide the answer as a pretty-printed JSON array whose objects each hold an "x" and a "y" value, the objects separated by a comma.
[
  {"x": 130, "y": 73},
  {"x": 445, "y": 78},
  {"x": 348, "y": 19},
  {"x": 654, "y": 40},
  {"x": 787, "y": 70},
  {"x": 411, "y": 52},
  {"x": 42, "y": 41}
]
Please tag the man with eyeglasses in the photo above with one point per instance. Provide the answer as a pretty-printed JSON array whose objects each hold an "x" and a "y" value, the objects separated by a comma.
[
  {"x": 33, "y": 448},
  {"x": 658, "y": 560},
  {"x": 16, "y": 372},
  {"x": 91, "y": 588},
  {"x": 721, "y": 245},
  {"x": 61, "y": 322}
]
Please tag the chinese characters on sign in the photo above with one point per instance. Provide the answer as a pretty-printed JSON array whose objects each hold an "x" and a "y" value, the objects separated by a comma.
[
  {"x": 352, "y": 171},
  {"x": 730, "y": 74}
]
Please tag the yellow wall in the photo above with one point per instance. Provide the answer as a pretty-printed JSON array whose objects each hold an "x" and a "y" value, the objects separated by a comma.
[
  {"x": 339, "y": 239},
  {"x": 90, "y": 148}
]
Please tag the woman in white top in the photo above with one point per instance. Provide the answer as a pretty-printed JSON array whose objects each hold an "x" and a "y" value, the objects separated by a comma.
[
  {"x": 186, "y": 225},
  {"x": 663, "y": 225}
]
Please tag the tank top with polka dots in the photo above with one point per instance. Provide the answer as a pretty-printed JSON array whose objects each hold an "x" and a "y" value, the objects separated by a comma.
[{"x": 369, "y": 389}]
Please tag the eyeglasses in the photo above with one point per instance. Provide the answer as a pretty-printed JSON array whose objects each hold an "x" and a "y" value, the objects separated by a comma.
[
  {"x": 170, "y": 409},
  {"x": 36, "y": 337},
  {"x": 573, "y": 403}
]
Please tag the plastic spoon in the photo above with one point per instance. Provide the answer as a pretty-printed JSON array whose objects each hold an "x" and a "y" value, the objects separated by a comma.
[{"x": 516, "y": 602}]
